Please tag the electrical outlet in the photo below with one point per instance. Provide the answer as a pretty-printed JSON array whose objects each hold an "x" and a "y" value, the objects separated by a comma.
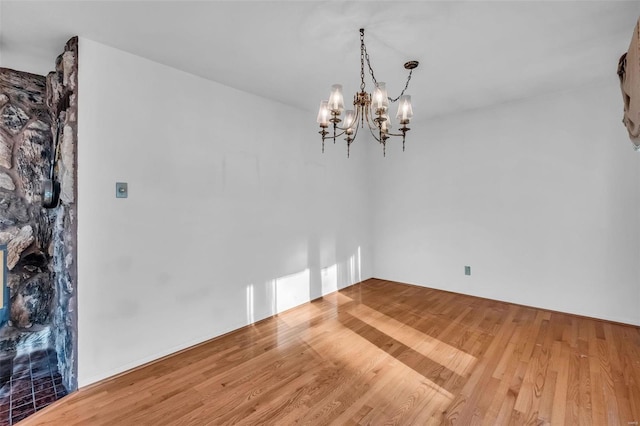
[{"x": 467, "y": 270}]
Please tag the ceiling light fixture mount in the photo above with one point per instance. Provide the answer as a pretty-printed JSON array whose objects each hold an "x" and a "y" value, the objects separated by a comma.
[
  {"x": 372, "y": 109},
  {"x": 411, "y": 65}
]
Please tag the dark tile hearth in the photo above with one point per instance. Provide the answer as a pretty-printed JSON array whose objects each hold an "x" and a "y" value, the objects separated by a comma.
[{"x": 28, "y": 383}]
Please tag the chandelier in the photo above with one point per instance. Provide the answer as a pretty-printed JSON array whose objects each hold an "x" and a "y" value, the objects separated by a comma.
[{"x": 369, "y": 109}]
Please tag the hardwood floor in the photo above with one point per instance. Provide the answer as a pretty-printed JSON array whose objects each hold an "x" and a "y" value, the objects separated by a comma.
[{"x": 383, "y": 353}]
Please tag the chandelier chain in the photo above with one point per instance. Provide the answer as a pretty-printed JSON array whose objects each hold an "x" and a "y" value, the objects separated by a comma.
[
  {"x": 406, "y": 86},
  {"x": 365, "y": 55},
  {"x": 362, "y": 52}
]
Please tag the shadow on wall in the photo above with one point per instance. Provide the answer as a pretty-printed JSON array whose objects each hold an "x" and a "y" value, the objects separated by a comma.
[{"x": 289, "y": 291}]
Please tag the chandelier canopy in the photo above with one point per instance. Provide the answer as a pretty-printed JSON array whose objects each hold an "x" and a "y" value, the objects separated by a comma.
[{"x": 369, "y": 109}]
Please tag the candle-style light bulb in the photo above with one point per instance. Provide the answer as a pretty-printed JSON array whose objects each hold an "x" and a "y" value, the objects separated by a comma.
[
  {"x": 349, "y": 119},
  {"x": 405, "y": 111},
  {"x": 323, "y": 114},
  {"x": 385, "y": 124},
  {"x": 336, "y": 100},
  {"x": 380, "y": 97}
]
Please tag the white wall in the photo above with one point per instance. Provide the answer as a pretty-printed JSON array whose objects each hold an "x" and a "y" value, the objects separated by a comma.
[
  {"x": 540, "y": 197},
  {"x": 233, "y": 212},
  {"x": 232, "y": 216}
]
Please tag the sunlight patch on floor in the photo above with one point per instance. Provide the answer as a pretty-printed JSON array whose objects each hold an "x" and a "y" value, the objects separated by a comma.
[{"x": 446, "y": 355}]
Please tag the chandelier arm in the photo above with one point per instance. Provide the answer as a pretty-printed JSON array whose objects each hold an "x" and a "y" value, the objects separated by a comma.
[
  {"x": 373, "y": 126},
  {"x": 351, "y": 139},
  {"x": 355, "y": 132},
  {"x": 356, "y": 119},
  {"x": 374, "y": 135},
  {"x": 395, "y": 134},
  {"x": 370, "y": 121},
  {"x": 344, "y": 129},
  {"x": 338, "y": 134}
]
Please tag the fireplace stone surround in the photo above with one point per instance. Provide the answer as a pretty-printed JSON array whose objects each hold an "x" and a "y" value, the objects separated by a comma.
[{"x": 35, "y": 112}]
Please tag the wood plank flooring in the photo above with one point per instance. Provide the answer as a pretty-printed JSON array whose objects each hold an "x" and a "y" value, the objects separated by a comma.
[{"x": 383, "y": 353}]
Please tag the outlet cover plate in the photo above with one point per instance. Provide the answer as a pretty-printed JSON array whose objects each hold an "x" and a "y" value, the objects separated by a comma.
[{"x": 467, "y": 270}]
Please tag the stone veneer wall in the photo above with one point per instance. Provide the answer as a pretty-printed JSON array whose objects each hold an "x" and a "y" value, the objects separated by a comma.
[
  {"x": 41, "y": 242},
  {"x": 62, "y": 99},
  {"x": 25, "y": 227}
]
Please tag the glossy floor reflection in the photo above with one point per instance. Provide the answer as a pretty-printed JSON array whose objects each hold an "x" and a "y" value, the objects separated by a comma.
[{"x": 29, "y": 383}]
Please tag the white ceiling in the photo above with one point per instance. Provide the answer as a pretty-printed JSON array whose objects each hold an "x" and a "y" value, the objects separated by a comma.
[{"x": 472, "y": 54}]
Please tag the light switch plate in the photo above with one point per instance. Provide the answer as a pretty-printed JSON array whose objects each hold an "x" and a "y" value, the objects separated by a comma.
[{"x": 122, "y": 190}]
